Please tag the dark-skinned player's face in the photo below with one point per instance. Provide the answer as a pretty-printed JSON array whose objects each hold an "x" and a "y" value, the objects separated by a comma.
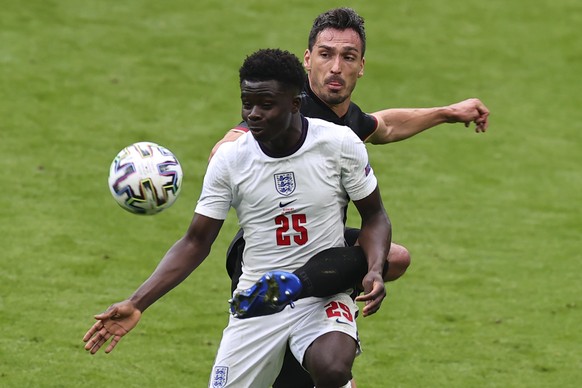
[{"x": 267, "y": 107}]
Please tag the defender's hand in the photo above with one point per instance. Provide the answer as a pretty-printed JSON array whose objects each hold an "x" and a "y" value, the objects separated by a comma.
[{"x": 468, "y": 111}]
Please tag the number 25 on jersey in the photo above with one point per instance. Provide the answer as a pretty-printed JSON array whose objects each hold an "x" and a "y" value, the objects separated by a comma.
[{"x": 293, "y": 222}]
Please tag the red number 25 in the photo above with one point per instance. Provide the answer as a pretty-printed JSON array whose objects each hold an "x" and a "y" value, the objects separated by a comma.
[{"x": 300, "y": 232}]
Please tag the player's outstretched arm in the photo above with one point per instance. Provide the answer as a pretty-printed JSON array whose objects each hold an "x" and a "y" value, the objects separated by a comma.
[
  {"x": 375, "y": 239},
  {"x": 400, "y": 123},
  {"x": 179, "y": 262}
]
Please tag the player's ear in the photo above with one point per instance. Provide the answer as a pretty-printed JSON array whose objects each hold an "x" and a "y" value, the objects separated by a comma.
[
  {"x": 296, "y": 104},
  {"x": 307, "y": 60},
  {"x": 361, "y": 72}
]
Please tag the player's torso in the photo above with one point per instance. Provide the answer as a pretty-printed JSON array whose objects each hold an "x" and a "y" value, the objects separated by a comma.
[{"x": 292, "y": 207}]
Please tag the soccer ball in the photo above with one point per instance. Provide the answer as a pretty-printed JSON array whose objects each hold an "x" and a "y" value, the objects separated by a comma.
[{"x": 145, "y": 178}]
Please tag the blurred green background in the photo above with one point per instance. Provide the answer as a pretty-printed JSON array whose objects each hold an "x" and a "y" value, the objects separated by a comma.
[{"x": 493, "y": 221}]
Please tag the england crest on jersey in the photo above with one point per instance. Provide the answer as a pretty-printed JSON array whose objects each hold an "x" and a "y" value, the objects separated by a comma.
[
  {"x": 219, "y": 377},
  {"x": 285, "y": 183}
]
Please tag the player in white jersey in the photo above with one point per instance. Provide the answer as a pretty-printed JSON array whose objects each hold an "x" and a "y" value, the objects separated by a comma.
[
  {"x": 287, "y": 180},
  {"x": 284, "y": 202}
]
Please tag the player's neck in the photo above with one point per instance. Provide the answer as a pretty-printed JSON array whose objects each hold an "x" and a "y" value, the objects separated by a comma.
[
  {"x": 289, "y": 141},
  {"x": 341, "y": 109}
]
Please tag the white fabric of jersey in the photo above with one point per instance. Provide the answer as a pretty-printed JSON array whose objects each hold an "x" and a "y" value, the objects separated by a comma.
[{"x": 306, "y": 211}]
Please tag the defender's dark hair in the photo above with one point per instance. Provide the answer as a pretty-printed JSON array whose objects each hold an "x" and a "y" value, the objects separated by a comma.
[
  {"x": 339, "y": 19},
  {"x": 273, "y": 64}
]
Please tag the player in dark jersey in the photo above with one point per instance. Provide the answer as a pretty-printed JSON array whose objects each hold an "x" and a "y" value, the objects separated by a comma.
[{"x": 334, "y": 61}]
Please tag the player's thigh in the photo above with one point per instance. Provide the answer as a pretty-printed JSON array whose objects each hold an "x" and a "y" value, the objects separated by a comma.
[
  {"x": 336, "y": 313},
  {"x": 251, "y": 352},
  {"x": 292, "y": 374},
  {"x": 333, "y": 352}
]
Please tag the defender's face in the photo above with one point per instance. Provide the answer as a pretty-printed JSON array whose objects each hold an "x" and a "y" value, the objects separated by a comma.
[
  {"x": 268, "y": 108},
  {"x": 334, "y": 65}
]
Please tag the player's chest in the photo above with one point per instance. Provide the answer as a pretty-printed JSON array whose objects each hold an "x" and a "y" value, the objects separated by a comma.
[{"x": 309, "y": 179}]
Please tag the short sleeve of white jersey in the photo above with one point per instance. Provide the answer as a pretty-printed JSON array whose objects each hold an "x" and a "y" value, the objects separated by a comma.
[
  {"x": 216, "y": 196},
  {"x": 357, "y": 176}
]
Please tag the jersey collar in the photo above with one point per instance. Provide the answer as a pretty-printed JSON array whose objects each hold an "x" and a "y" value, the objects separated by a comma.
[{"x": 304, "y": 126}]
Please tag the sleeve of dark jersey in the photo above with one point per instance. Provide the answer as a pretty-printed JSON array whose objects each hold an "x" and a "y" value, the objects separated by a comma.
[{"x": 362, "y": 124}]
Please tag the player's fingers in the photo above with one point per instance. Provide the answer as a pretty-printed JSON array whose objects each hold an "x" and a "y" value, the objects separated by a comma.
[
  {"x": 485, "y": 122},
  {"x": 105, "y": 334},
  {"x": 99, "y": 336},
  {"x": 113, "y": 343},
  {"x": 369, "y": 311},
  {"x": 98, "y": 345},
  {"x": 88, "y": 335},
  {"x": 107, "y": 314},
  {"x": 482, "y": 109},
  {"x": 379, "y": 290},
  {"x": 92, "y": 343},
  {"x": 374, "y": 294},
  {"x": 378, "y": 293},
  {"x": 94, "y": 329},
  {"x": 481, "y": 125},
  {"x": 364, "y": 298},
  {"x": 371, "y": 307}
]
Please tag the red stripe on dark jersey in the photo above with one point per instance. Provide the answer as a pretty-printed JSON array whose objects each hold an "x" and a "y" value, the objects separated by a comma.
[{"x": 241, "y": 128}]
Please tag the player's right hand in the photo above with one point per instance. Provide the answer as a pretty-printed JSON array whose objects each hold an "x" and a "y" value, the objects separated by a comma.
[
  {"x": 114, "y": 323},
  {"x": 468, "y": 111}
]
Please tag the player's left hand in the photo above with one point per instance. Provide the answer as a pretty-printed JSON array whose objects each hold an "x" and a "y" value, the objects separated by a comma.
[
  {"x": 374, "y": 293},
  {"x": 470, "y": 111}
]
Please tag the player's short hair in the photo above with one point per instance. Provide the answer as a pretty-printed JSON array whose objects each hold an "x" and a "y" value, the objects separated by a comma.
[
  {"x": 340, "y": 19},
  {"x": 273, "y": 64}
]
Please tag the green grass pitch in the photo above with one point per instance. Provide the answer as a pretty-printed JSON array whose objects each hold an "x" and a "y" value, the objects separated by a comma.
[{"x": 493, "y": 221}]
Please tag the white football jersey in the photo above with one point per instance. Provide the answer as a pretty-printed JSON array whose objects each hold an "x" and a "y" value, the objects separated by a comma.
[{"x": 289, "y": 207}]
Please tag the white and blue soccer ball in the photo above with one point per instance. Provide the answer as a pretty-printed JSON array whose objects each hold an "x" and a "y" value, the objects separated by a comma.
[{"x": 145, "y": 178}]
